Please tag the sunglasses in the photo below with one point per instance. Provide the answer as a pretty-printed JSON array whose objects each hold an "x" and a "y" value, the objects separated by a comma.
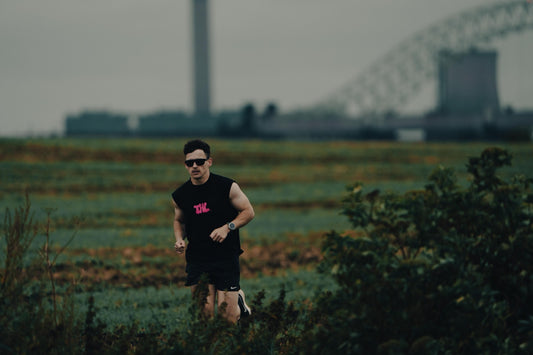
[{"x": 199, "y": 162}]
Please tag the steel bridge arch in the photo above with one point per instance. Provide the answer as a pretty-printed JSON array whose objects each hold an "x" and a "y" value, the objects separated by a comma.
[{"x": 397, "y": 76}]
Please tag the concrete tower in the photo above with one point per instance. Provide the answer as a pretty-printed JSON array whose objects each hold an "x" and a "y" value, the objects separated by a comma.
[
  {"x": 467, "y": 83},
  {"x": 201, "y": 70}
]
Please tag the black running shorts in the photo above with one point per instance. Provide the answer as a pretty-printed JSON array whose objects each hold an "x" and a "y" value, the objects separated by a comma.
[{"x": 225, "y": 275}]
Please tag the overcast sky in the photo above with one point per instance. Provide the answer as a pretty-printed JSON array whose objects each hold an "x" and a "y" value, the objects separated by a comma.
[{"x": 64, "y": 56}]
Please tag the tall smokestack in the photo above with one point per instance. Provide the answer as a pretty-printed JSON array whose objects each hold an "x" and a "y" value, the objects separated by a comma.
[{"x": 202, "y": 95}]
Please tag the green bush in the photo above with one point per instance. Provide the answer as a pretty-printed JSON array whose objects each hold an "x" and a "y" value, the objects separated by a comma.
[{"x": 443, "y": 270}]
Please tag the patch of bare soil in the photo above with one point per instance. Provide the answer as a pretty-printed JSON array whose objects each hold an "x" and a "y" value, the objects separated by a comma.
[{"x": 136, "y": 267}]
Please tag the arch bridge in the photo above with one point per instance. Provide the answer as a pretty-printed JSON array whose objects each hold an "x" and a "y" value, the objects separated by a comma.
[{"x": 392, "y": 80}]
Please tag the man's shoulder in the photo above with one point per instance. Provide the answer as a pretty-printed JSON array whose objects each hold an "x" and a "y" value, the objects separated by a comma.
[
  {"x": 221, "y": 182},
  {"x": 180, "y": 190},
  {"x": 223, "y": 179}
]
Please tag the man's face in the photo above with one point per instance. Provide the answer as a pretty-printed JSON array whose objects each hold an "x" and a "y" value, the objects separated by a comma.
[{"x": 197, "y": 170}]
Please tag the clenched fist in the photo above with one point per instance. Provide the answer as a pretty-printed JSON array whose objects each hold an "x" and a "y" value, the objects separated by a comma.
[{"x": 180, "y": 246}]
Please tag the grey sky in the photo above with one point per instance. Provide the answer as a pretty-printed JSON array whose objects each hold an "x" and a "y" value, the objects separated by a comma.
[{"x": 63, "y": 56}]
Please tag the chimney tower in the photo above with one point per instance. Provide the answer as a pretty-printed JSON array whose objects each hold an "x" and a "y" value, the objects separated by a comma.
[{"x": 201, "y": 68}]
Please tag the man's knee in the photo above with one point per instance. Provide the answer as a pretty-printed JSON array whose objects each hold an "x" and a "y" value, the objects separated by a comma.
[{"x": 229, "y": 307}]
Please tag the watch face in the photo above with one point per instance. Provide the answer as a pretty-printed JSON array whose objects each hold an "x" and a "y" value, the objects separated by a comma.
[{"x": 231, "y": 226}]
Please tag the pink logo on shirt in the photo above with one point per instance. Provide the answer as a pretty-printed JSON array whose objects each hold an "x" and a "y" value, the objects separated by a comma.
[{"x": 201, "y": 208}]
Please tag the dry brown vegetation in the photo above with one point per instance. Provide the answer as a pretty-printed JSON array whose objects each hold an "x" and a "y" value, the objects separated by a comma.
[{"x": 134, "y": 267}]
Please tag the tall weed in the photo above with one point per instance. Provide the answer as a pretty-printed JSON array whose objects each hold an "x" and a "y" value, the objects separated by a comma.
[{"x": 34, "y": 316}]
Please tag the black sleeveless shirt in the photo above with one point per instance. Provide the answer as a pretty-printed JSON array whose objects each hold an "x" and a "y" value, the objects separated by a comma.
[{"x": 207, "y": 207}]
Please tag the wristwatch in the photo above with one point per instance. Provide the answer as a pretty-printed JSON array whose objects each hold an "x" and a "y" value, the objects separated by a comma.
[{"x": 231, "y": 226}]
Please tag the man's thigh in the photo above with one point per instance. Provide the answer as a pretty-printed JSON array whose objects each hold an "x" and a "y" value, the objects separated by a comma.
[{"x": 226, "y": 276}]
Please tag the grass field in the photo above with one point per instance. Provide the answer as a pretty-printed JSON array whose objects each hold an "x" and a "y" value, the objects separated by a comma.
[{"x": 114, "y": 195}]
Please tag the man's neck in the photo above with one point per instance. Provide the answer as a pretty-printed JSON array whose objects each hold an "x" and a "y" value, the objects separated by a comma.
[{"x": 202, "y": 180}]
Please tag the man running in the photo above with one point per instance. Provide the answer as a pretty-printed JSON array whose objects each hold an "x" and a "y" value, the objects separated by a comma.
[{"x": 209, "y": 209}]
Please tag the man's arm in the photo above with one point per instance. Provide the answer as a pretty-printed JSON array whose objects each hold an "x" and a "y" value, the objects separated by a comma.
[
  {"x": 246, "y": 213},
  {"x": 241, "y": 203},
  {"x": 178, "y": 229}
]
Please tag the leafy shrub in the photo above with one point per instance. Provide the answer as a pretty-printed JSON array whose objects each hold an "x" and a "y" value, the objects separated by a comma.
[
  {"x": 446, "y": 269},
  {"x": 272, "y": 328}
]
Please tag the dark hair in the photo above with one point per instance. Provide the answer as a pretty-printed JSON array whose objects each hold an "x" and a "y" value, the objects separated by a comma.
[{"x": 195, "y": 144}]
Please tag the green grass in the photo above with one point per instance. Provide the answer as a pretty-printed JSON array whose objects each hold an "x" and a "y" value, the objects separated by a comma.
[
  {"x": 120, "y": 190},
  {"x": 168, "y": 306}
]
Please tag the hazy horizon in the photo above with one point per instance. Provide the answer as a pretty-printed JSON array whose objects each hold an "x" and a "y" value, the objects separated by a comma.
[{"x": 60, "y": 57}]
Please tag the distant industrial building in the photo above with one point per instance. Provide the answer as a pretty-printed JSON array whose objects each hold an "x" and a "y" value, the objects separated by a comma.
[
  {"x": 173, "y": 124},
  {"x": 468, "y": 105},
  {"x": 468, "y": 108},
  {"x": 97, "y": 123},
  {"x": 467, "y": 83}
]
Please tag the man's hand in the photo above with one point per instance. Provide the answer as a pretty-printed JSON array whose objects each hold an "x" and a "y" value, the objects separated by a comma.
[
  {"x": 180, "y": 246},
  {"x": 220, "y": 234}
]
